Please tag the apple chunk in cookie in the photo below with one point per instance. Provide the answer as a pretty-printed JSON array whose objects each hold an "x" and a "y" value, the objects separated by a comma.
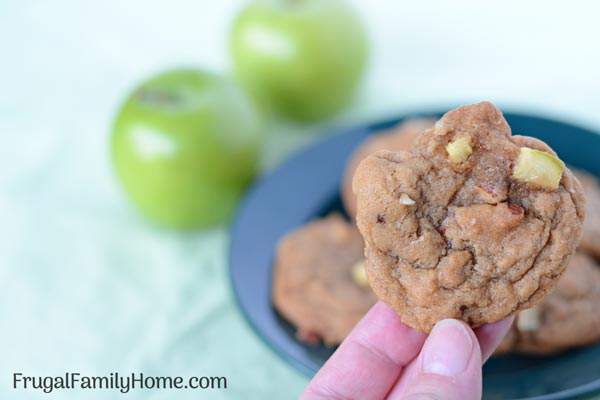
[{"x": 492, "y": 222}]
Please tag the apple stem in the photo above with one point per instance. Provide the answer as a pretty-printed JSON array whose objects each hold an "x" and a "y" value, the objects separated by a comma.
[
  {"x": 157, "y": 97},
  {"x": 292, "y": 3}
]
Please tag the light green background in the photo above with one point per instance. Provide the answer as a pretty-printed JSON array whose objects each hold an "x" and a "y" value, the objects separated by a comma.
[{"x": 87, "y": 285}]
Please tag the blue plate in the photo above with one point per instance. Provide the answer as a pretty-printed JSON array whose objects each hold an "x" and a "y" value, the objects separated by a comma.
[{"x": 307, "y": 186}]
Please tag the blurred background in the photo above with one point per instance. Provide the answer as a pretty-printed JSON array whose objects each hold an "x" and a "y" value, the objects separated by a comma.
[{"x": 89, "y": 285}]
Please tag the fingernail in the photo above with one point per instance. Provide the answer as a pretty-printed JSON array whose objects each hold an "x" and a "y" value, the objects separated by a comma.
[{"x": 448, "y": 349}]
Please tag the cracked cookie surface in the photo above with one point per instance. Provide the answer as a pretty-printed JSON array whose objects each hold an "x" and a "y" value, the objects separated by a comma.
[
  {"x": 451, "y": 232},
  {"x": 315, "y": 284},
  {"x": 397, "y": 138},
  {"x": 566, "y": 318}
]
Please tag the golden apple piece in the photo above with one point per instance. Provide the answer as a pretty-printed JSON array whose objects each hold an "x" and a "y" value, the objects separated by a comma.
[
  {"x": 538, "y": 168},
  {"x": 359, "y": 274},
  {"x": 529, "y": 320},
  {"x": 459, "y": 149}
]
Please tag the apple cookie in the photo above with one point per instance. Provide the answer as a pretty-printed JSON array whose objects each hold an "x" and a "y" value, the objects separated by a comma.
[
  {"x": 397, "y": 138},
  {"x": 319, "y": 281},
  {"x": 473, "y": 223},
  {"x": 590, "y": 241},
  {"x": 566, "y": 318}
]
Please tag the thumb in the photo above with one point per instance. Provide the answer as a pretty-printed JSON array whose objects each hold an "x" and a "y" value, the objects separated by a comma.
[{"x": 449, "y": 365}]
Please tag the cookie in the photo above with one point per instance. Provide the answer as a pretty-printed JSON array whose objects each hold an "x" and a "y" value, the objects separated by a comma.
[
  {"x": 590, "y": 241},
  {"x": 317, "y": 282},
  {"x": 568, "y": 317},
  {"x": 398, "y": 138},
  {"x": 472, "y": 223}
]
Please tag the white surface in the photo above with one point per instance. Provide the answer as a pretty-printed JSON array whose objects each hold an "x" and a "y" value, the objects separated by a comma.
[{"x": 87, "y": 285}]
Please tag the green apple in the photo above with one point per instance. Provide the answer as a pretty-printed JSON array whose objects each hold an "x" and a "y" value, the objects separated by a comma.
[
  {"x": 185, "y": 146},
  {"x": 302, "y": 59}
]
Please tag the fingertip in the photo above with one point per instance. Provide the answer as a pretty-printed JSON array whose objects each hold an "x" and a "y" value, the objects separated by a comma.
[
  {"x": 382, "y": 328},
  {"x": 490, "y": 335},
  {"x": 449, "y": 348},
  {"x": 448, "y": 367},
  {"x": 382, "y": 310},
  {"x": 381, "y": 318},
  {"x": 498, "y": 327}
]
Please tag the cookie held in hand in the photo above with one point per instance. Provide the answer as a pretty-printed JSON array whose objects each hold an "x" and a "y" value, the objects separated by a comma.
[{"x": 473, "y": 223}]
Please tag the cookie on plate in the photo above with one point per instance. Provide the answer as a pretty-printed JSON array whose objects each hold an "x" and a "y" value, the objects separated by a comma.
[
  {"x": 397, "y": 138},
  {"x": 319, "y": 283},
  {"x": 590, "y": 241},
  {"x": 473, "y": 223},
  {"x": 568, "y": 317}
]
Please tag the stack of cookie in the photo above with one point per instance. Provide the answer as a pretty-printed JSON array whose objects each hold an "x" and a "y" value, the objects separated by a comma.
[
  {"x": 319, "y": 281},
  {"x": 461, "y": 219},
  {"x": 568, "y": 316}
]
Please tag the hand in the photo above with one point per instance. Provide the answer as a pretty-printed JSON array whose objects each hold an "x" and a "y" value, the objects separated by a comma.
[{"x": 384, "y": 359}]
